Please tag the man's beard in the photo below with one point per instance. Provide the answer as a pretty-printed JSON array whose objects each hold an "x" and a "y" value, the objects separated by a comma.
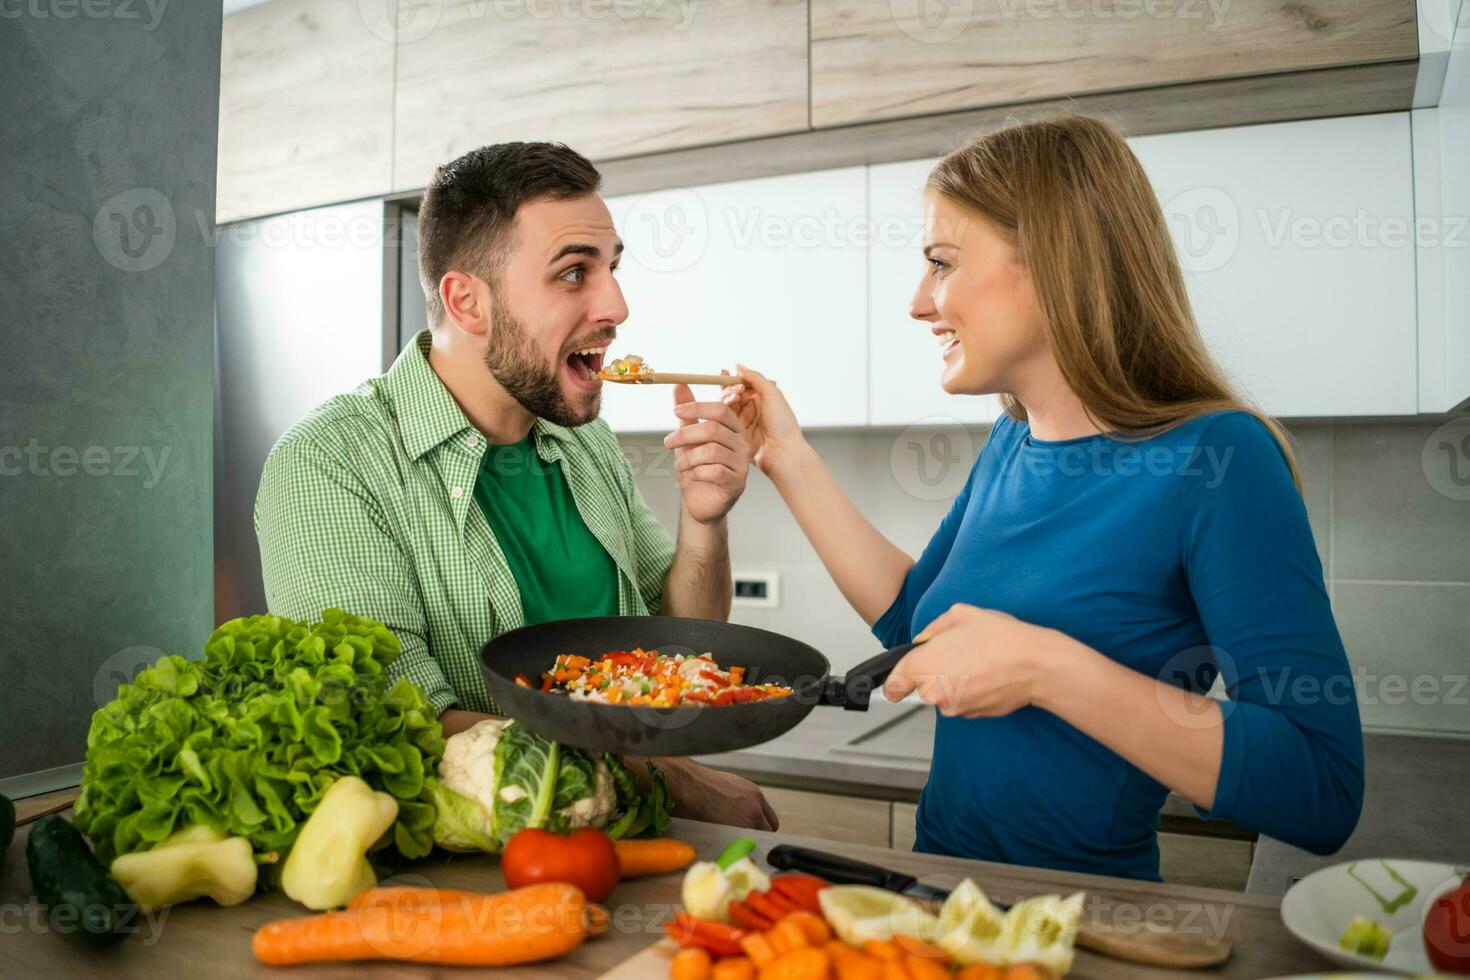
[{"x": 514, "y": 361}]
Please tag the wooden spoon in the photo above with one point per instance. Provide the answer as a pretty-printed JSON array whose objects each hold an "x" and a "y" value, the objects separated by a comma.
[{"x": 668, "y": 378}]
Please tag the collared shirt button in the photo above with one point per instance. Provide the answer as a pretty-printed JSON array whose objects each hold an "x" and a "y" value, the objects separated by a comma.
[
  {"x": 474, "y": 442},
  {"x": 457, "y": 492}
]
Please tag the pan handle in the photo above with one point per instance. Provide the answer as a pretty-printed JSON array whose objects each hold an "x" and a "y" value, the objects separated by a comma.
[{"x": 853, "y": 691}]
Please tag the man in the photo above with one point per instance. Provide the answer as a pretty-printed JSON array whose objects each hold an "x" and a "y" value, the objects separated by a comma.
[{"x": 472, "y": 489}]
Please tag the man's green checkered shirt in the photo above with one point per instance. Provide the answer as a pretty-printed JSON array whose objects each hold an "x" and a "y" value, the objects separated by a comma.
[{"x": 368, "y": 504}]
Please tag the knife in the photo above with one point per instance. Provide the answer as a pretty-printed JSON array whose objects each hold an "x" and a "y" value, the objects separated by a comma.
[
  {"x": 1167, "y": 948},
  {"x": 845, "y": 871}
]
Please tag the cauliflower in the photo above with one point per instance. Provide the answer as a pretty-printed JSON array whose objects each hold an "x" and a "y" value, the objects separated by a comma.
[
  {"x": 498, "y": 777},
  {"x": 598, "y": 809},
  {"x": 468, "y": 766}
]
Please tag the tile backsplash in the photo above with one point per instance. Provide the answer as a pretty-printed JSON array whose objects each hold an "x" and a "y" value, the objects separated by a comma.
[{"x": 1395, "y": 550}]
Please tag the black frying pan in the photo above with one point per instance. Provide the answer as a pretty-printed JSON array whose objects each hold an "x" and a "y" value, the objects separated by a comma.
[{"x": 688, "y": 730}]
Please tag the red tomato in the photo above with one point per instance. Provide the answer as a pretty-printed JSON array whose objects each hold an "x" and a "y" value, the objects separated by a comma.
[
  {"x": 1447, "y": 931},
  {"x": 584, "y": 858}
]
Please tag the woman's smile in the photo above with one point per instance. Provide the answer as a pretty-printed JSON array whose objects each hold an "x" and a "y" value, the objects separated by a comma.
[{"x": 949, "y": 342}]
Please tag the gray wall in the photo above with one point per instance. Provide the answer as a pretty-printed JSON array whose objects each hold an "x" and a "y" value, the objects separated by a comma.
[
  {"x": 1392, "y": 522},
  {"x": 110, "y": 115}
]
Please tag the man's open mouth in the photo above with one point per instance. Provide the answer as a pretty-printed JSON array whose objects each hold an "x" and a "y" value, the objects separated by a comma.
[{"x": 585, "y": 363}]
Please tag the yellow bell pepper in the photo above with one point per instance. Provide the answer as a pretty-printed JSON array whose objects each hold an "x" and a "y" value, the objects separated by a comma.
[
  {"x": 188, "y": 864},
  {"x": 328, "y": 863}
]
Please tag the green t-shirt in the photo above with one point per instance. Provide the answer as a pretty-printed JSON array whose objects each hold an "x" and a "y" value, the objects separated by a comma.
[{"x": 562, "y": 571}]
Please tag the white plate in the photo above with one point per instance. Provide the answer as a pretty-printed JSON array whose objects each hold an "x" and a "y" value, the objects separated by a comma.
[{"x": 1318, "y": 908}]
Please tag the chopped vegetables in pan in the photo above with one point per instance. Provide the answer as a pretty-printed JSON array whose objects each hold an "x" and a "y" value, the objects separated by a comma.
[{"x": 647, "y": 677}]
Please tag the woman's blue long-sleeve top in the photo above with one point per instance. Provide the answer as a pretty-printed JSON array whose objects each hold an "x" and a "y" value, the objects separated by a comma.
[{"x": 1180, "y": 556}]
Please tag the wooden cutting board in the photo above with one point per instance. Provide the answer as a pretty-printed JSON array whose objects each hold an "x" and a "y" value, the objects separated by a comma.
[{"x": 651, "y": 964}]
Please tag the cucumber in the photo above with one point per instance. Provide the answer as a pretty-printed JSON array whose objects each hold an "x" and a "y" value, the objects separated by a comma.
[
  {"x": 84, "y": 905},
  {"x": 7, "y": 825}
]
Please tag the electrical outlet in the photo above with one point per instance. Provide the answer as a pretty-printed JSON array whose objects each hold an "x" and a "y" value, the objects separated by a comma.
[{"x": 761, "y": 590}]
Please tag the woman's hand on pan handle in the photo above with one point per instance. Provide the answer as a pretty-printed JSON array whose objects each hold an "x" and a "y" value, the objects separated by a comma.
[
  {"x": 981, "y": 663},
  {"x": 867, "y": 567},
  {"x": 976, "y": 663}
]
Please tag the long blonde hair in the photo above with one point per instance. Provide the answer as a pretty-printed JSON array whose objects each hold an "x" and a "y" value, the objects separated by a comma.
[{"x": 1086, "y": 223}]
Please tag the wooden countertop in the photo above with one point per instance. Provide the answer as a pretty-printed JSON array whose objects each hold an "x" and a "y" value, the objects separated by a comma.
[{"x": 216, "y": 941}]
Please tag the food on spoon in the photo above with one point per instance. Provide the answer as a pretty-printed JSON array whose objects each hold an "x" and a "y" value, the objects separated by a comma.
[
  {"x": 630, "y": 368},
  {"x": 649, "y": 678}
]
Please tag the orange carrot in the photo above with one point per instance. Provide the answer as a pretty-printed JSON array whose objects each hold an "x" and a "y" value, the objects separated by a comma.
[
  {"x": 979, "y": 971},
  {"x": 524, "y": 925},
  {"x": 853, "y": 964},
  {"x": 919, "y": 948},
  {"x": 813, "y": 926},
  {"x": 882, "y": 950},
  {"x": 787, "y": 936},
  {"x": 758, "y": 948},
  {"x": 733, "y": 968},
  {"x": 923, "y": 968},
  {"x": 652, "y": 857},
  {"x": 411, "y": 896},
  {"x": 1028, "y": 971},
  {"x": 690, "y": 963},
  {"x": 801, "y": 964}
]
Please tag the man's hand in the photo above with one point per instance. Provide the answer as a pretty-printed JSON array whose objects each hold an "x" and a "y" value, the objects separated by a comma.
[
  {"x": 711, "y": 456},
  {"x": 702, "y": 793}
]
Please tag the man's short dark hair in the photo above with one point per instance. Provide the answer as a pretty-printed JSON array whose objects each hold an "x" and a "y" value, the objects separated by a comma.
[{"x": 468, "y": 212}]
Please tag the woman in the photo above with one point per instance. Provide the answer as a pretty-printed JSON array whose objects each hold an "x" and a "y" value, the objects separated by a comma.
[{"x": 1130, "y": 530}]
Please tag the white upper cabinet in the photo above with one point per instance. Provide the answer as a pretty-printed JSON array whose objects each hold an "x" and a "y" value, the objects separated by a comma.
[
  {"x": 1298, "y": 245},
  {"x": 904, "y": 368},
  {"x": 769, "y": 273}
]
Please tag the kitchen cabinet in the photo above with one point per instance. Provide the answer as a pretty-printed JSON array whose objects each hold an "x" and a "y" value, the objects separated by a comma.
[
  {"x": 839, "y": 818},
  {"x": 904, "y": 363},
  {"x": 608, "y": 80},
  {"x": 1442, "y": 199},
  {"x": 884, "y": 59},
  {"x": 306, "y": 108},
  {"x": 1297, "y": 245},
  {"x": 903, "y": 835},
  {"x": 768, "y": 272},
  {"x": 1204, "y": 860}
]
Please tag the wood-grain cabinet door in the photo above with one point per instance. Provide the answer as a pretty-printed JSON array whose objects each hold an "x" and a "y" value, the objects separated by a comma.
[
  {"x": 1297, "y": 242},
  {"x": 767, "y": 272},
  {"x": 885, "y": 59},
  {"x": 306, "y": 107},
  {"x": 610, "y": 78}
]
